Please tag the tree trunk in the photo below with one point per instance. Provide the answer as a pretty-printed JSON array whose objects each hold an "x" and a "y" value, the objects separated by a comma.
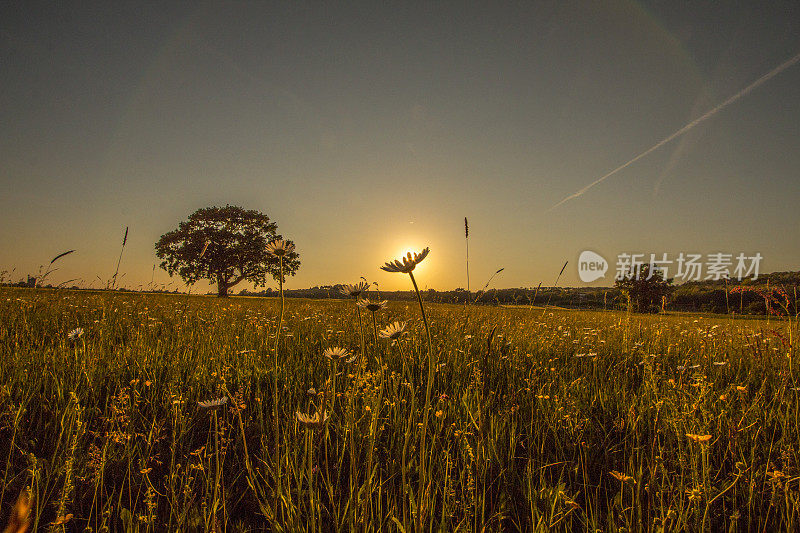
[{"x": 222, "y": 287}]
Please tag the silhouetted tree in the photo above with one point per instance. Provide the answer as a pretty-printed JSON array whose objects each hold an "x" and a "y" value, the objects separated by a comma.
[
  {"x": 645, "y": 289},
  {"x": 224, "y": 245}
]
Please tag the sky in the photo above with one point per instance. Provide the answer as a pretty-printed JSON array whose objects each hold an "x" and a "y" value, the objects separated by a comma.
[{"x": 368, "y": 129}]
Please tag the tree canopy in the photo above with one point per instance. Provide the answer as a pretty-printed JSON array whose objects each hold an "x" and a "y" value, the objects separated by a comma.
[{"x": 225, "y": 245}]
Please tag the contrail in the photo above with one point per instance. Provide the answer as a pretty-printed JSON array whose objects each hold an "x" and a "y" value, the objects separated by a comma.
[{"x": 760, "y": 81}]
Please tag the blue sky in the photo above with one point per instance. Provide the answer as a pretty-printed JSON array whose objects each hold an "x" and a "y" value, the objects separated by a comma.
[{"x": 364, "y": 130}]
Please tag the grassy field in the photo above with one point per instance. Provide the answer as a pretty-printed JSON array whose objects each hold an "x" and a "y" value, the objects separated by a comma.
[{"x": 557, "y": 420}]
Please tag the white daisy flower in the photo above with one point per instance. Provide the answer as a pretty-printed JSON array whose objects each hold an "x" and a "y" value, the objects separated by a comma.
[
  {"x": 280, "y": 247},
  {"x": 393, "y": 331},
  {"x": 408, "y": 263},
  {"x": 213, "y": 403}
]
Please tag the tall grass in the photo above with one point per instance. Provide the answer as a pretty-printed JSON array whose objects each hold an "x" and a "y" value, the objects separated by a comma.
[
  {"x": 42, "y": 276},
  {"x": 113, "y": 282},
  {"x": 568, "y": 422},
  {"x": 544, "y": 310},
  {"x": 466, "y": 240}
]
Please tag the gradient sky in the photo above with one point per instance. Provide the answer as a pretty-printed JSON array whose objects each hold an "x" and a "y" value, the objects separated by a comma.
[{"x": 365, "y": 130}]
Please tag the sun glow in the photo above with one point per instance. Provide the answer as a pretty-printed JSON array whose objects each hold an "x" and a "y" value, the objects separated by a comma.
[{"x": 398, "y": 250}]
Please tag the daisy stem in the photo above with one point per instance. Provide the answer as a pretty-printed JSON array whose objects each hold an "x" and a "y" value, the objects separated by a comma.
[
  {"x": 404, "y": 461},
  {"x": 361, "y": 333},
  {"x": 333, "y": 379},
  {"x": 422, "y": 310},
  {"x": 275, "y": 396},
  {"x": 310, "y": 473},
  {"x": 218, "y": 469},
  {"x": 375, "y": 335},
  {"x": 373, "y": 431},
  {"x": 326, "y": 436},
  {"x": 428, "y": 387}
]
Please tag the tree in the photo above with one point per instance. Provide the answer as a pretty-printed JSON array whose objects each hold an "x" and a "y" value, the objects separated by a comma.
[
  {"x": 644, "y": 289},
  {"x": 226, "y": 246}
]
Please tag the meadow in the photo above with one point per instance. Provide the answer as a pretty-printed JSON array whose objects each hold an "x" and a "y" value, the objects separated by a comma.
[{"x": 142, "y": 412}]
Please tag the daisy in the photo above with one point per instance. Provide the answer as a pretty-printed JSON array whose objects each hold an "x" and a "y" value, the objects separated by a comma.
[
  {"x": 213, "y": 403},
  {"x": 393, "y": 331},
  {"x": 355, "y": 290},
  {"x": 369, "y": 305},
  {"x": 75, "y": 334},
  {"x": 624, "y": 478},
  {"x": 280, "y": 248},
  {"x": 408, "y": 263},
  {"x": 311, "y": 421},
  {"x": 336, "y": 353}
]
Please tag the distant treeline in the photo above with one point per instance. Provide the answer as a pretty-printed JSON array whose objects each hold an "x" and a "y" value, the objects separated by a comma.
[{"x": 774, "y": 293}]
